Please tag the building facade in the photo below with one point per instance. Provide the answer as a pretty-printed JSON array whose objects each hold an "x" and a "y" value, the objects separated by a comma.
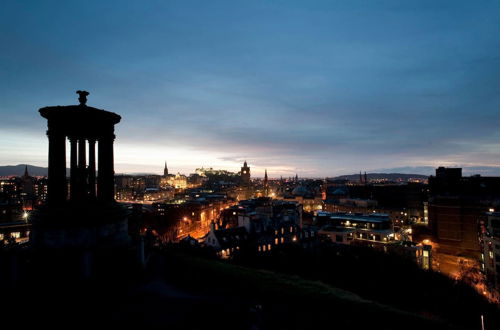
[{"x": 489, "y": 241}]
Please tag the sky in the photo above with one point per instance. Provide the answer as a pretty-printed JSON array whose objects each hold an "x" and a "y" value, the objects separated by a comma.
[{"x": 318, "y": 88}]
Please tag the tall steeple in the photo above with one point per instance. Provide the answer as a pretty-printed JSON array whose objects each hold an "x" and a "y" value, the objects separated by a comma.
[
  {"x": 165, "y": 170},
  {"x": 26, "y": 174},
  {"x": 28, "y": 182},
  {"x": 266, "y": 184}
]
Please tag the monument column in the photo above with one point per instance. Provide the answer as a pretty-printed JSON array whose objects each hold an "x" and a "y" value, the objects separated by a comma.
[
  {"x": 92, "y": 175},
  {"x": 66, "y": 230},
  {"x": 57, "y": 190},
  {"x": 74, "y": 168},
  {"x": 106, "y": 178},
  {"x": 82, "y": 168}
]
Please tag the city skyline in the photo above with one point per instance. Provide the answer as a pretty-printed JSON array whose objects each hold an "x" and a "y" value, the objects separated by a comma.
[
  {"x": 316, "y": 89},
  {"x": 250, "y": 165}
]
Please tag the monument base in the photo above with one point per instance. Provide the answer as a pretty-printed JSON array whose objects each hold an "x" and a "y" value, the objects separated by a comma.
[{"x": 87, "y": 226}]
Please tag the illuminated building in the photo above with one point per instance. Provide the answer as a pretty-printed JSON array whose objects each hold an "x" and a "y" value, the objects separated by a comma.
[
  {"x": 371, "y": 230},
  {"x": 226, "y": 241},
  {"x": 309, "y": 203},
  {"x": 267, "y": 223},
  {"x": 178, "y": 181},
  {"x": 191, "y": 215},
  {"x": 347, "y": 227},
  {"x": 490, "y": 248},
  {"x": 456, "y": 203},
  {"x": 41, "y": 189},
  {"x": 9, "y": 186},
  {"x": 14, "y": 225}
]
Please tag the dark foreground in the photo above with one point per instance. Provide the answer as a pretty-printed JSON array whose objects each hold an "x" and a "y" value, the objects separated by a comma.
[{"x": 179, "y": 291}]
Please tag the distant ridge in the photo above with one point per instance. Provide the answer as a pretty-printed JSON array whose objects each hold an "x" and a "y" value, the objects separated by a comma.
[
  {"x": 18, "y": 170},
  {"x": 382, "y": 176}
]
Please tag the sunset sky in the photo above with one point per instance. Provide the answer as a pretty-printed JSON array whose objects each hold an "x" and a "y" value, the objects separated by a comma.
[{"x": 310, "y": 87}]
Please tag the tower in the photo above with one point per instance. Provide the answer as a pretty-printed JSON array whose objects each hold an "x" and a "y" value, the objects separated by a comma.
[
  {"x": 165, "y": 170},
  {"x": 266, "y": 184},
  {"x": 28, "y": 183},
  {"x": 26, "y": 174},
  {"x": 245, "y": 174}
]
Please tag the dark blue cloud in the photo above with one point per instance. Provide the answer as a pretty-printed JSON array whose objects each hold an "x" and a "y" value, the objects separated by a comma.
[{"x": 316, "y": 87}]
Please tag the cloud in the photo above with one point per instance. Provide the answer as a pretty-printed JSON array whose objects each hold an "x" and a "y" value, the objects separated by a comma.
[{"x": 316, "y": 88}]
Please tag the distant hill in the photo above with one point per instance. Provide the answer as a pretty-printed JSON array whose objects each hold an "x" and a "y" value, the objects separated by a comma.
[
  {"x": 18, "y": 170},
  {"x": 383, "y": 176},
  {"x": 10, "y": 170}
]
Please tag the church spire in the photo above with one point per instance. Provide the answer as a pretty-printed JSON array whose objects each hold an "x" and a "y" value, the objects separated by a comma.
[
  {"x": 165, "y": 170},
  {"x": 266, "y": 184},
  {"x": 26, "y": 171}
]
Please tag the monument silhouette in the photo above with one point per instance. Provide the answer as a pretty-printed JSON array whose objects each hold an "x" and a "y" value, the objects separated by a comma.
[{"x": 87, "y": 220}]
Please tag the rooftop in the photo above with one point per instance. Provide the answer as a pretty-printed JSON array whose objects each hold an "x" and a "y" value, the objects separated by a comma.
[{"x": 372, "y": 217}]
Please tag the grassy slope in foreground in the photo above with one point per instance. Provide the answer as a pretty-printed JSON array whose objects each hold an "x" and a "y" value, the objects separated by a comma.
[{"x": 287, "y": 301}]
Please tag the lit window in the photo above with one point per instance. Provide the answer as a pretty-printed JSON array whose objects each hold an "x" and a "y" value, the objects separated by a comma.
[
  {"x": 269, "y": 247},
  {"x": 282, "y": 240},
  {"x": 15, "y": 234},
  {"x": 276, "y": 241}
]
